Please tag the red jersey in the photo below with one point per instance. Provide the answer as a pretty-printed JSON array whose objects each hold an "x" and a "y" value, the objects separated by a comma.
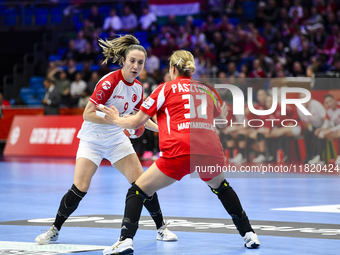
[{"x": 185, "y": 116}]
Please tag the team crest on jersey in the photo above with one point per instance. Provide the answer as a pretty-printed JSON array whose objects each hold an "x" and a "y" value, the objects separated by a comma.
[
  {"x": 134, "y": 98},
  {"x": 100, "y": 95},
  {"x": 148, "y": 103},
  {"x": 106, "y": 85}
]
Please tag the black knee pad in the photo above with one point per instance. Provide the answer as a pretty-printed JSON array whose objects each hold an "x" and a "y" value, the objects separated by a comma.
[
  {"x": 241, "y": 137},
  {"x": 222, "y": 188},
  {"x": 70, "y": 201},
  {"x": 260, "y": 137},
  {"x": 135, "y": 191}
]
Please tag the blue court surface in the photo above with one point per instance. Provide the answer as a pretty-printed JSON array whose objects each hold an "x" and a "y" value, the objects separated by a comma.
[{"x": 292, "y": 214}]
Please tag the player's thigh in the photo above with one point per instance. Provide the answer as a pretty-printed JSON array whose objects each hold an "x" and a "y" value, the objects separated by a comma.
[
  {"x": 130, "y": 167},
  {"x": 84, "y": 171},
  {"x": 153, "y": 179}
]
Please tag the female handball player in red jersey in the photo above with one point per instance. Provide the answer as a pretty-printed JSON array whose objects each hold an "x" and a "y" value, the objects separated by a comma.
[
  {"x": 187, "y": 139},
  {"x": 99, "y": 140}
]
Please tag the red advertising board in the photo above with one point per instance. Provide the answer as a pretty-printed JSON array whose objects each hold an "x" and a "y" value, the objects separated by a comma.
[{"x": 44, "y": 136}]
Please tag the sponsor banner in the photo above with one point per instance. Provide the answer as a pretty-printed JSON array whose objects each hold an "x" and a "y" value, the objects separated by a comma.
[
  {"x": 44, "y": 136},
  {"x": 176, "y": 7}
]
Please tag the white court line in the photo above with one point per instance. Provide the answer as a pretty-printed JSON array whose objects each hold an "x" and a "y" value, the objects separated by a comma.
[
  {"x": 56, "y": 248},
  {"x": 316, "y": 208}
]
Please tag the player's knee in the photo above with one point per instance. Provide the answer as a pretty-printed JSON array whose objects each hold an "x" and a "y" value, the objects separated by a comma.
[
  {"x": 71, "y": 200},
  {"x": 260, "y": 137},
  {"x": 135, "y": 191},
  {"x": 241, "y": 137},
  {"x": 222, "y": 188}
]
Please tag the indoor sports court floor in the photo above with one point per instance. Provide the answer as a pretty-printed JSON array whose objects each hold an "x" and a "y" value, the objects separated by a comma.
[{"x": 308, "y": 221}]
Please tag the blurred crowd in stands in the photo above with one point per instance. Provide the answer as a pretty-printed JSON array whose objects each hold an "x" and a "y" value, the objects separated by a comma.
[{"x": 288, "y": 38}]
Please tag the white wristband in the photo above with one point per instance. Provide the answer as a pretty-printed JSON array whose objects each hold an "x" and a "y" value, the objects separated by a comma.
[
  {"x": 101, "y": 106},
  {"x": 100, "y": 114}
]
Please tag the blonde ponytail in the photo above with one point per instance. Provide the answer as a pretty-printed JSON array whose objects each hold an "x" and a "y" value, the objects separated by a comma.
[{"x": 184, "y": 62}]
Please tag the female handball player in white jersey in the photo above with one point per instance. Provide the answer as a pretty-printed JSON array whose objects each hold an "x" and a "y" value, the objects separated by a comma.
[
  {"x": 99, "y": 139},
  {"x": 187, "y": 138}
]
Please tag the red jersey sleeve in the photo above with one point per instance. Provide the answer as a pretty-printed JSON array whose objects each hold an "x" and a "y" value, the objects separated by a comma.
[
  {"x": 151, "y": 105},
  {"x": 102, "y": 92}
]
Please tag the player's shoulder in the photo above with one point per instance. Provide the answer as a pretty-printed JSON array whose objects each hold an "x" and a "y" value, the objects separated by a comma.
[{"x": 110, "y": 80}]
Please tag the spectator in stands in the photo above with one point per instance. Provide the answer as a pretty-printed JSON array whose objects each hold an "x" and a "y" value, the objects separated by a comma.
[
  {"x": 148, "y": 20},
  {"x": 198, "y": 38},
  {"x": 305, "y": 56},
  {"x": 88, "y": 29},
  {"x": 336, "y": 65},
  {"x": 153, "y": 62},
  {"x": 53, "y": 70},
  {"x": 283, "y": 17},
  {"x": 297, "y": 6},
  {"x": 164, "y": 35},
  {"x": 209, "y": 28},
  {"x": 169, "y": 48},
  {"x": 270, "y": 34},
  {"x": 71, "y": 53},
  {"x": 257, "y": 71},
  {"x": 184, "y": 38},
  {"x": 95, "y": 18},
  {"x": 332, "y": 43},
  {"x": 272, "y": 12},
  {"x": 63, "y": 84},
  {"x": 260, "y": 18},
  {"x": 298, "y": 70},
  {"x": 113, "y": 22},
  {"x": 129, "y": 20},
  {"x": 77, "y": 90},
  {"x": 330, "y": 21},
  {"x": 71, "y": 70},
  {"x": 86, "y": 71},
  {"x": 94, "y": 41},
  {"x": 232, "y": 70},
  {"x": 224, "y": 25},
  {"x": 315, "y": 17},
  {"x": 92, "y": 82},
  {"x": 314, "y": 146},
  {"x": 52, "y": 98},
  {"x": 319, "y": 37},
  {"x": 295, "y": 42},
  {"x": 87, "y": 55},
  {"x": 172, "y": 25},
  {"x": 279, "y": 68},
  {"x": 80, "y": 42}
]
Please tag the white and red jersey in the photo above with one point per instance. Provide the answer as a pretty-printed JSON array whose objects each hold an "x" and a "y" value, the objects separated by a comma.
[
  {"x": 333, "y": 115},
  {"x": 318, "y": 114},
  {"x": 112, "y": 89},
  {"x": 185, "y": 116}
]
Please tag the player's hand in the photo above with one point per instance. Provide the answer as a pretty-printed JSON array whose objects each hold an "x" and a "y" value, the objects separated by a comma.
[
  {"x": 111, "y": 114},
  {"x": 224, "y": 110}
]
